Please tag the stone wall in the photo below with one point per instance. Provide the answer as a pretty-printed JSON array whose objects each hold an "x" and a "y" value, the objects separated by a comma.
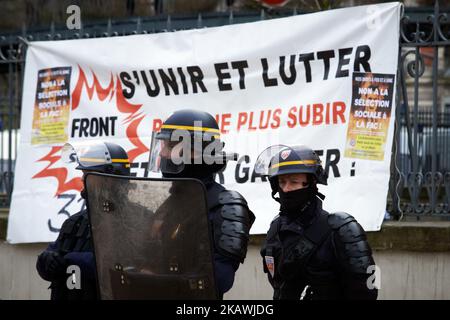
[{"x": 413, "y": 257}]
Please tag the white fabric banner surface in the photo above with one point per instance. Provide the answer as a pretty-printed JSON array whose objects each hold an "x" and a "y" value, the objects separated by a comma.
[{"x": 325, "y": 80}]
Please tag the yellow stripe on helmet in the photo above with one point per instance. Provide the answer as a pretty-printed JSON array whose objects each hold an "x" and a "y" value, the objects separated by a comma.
[
  {"x": 98, "y": 160},
  {"x": 291, "y": 163},
  {"x": 191, "y": 128},
  {"x": 120, "y": 160}
]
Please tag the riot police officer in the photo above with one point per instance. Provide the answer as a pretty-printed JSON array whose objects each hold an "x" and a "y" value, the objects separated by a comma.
[
  {"x": 310, "y": 253},
  {"x": 73, "y": 245},
  {"x": 189, "y": 146}
]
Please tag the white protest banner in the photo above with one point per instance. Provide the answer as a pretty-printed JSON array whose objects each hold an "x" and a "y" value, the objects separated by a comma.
[{"x": 325, "y": 80}]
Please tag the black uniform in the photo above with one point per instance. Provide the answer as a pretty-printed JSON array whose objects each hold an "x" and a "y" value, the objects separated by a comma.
[
  {"x": 228, "y": 212},
  {"x": 73, "y": 247},
  {"x": 322, "y": 255},
  {"x": 230, "y": 220}
]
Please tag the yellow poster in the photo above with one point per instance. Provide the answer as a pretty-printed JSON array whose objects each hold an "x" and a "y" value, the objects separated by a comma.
[
  {"x": 52, "y": 106},
  {"x": 370, "y": 115}
]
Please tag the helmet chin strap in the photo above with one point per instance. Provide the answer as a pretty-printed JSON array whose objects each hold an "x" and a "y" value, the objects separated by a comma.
[
  {"x": 320, "y": 195},
  {"x": 277, "y": 199},
  {"x": 312, "y": 180}
]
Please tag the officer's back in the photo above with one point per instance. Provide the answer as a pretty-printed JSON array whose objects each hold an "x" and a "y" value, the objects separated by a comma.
[{"x": 73, "y": 247}]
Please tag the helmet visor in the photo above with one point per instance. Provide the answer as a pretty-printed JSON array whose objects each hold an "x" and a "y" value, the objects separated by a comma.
[
  {"x": 166, "y": 155},
  {"x": 171, "y": 153},
  {"x": 262, "y": 164},
  {"x": 87, "y": 154}
]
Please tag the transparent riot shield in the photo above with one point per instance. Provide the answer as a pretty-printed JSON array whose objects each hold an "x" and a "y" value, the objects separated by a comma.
[{"x": 151, "y": 238}]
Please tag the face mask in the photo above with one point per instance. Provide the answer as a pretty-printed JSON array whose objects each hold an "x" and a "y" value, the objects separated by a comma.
[
  {"x": 170, "y": 169},
  {"x": 293, "y": 202},
  {"x": 198, "y": 171},
  {"x": 189, "y": 171}
]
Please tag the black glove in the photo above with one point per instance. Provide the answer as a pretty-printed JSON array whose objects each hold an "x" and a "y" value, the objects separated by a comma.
[{"x": 54, "y": 264}]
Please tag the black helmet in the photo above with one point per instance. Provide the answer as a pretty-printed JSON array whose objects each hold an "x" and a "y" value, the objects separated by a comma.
[
  {"x": 196, "y": 132},
  {"x": 286, "y": 160},
  {"x": 98, "y": 156},
  {"x": 187, "y": 120}
]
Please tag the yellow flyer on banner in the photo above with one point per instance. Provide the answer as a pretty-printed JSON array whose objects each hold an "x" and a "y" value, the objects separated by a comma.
[
  {"x": 370, "y": 114},
  {"x": 52, "y": 106}
]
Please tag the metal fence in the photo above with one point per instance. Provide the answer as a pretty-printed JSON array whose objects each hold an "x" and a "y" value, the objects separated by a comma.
[
  {"x": 420, "y": 175},
  {"x": 424, "y": 144},
  {"x": 11, "y": 75}
]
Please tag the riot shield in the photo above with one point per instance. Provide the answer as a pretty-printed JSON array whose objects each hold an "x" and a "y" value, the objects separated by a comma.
[{"x": 151, "y": 238}]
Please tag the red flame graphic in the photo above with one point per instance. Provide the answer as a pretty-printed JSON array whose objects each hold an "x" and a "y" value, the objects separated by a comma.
[
  {"x": 132, "y": 136},
  {"x": 59, "y": 173},
  {"x": 133, "y": 119},
  {"x": 102, "y": 93}
]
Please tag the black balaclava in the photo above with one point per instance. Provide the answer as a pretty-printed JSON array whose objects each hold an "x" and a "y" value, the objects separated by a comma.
[
  {"x": 197, "y": 171},
  {"x": 190, "y": 171},
  {"x": 294, "y": 202}
]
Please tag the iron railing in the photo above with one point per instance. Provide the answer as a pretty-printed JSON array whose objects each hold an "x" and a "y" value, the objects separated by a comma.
[{"x": 421, "y": 151}]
